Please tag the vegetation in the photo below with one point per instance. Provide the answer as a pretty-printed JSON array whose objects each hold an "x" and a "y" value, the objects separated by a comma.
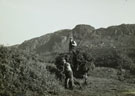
[
  {"x": 24, "y": 74},
  {"x": 89, "y": 58}
]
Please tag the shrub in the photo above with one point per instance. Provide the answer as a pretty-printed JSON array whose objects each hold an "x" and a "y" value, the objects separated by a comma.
[
  {"x": 85, "y": 58},
  {"x": 79, "y": 59},
  {"x": 24, "y": 74}
]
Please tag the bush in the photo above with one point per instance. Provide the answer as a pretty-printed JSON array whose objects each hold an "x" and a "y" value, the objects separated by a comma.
[
  {"x": 23, "y": 74},
  {"x": 80, "y": 61}
]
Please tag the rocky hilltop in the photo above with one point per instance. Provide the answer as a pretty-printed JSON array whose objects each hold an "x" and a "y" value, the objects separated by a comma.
[
  {"x": 121, "y": 36},
  {"x": 57, "y": 41},
  {"x": 99, "y": 41}
]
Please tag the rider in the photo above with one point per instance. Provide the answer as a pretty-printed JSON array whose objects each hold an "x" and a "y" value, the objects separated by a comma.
[{"x": 72, "y": 44}]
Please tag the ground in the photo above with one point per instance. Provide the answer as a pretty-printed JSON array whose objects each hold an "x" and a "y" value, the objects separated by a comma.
[{"x": 106, "y": 84}]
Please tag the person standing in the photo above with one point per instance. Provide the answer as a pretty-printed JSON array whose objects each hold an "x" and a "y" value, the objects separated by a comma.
[{"x": 69, "y": 80}]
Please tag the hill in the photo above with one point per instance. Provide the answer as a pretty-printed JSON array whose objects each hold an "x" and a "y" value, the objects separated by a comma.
[
  {"x": 57, "y": 41},
  {"x": 120, "y": 38},
  {"x": 23, "y": 73},
  {"x": 31, "y": 64},
  {"x": 85, "y": 35}
]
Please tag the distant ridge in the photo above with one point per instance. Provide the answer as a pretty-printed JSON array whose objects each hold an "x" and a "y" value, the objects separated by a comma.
[{"x": 114, "y": 36}]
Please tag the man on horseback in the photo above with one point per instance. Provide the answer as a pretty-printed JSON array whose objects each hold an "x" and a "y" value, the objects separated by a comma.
[{"x": 72, "y": 44}]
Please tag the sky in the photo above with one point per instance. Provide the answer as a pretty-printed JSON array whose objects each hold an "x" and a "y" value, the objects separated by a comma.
[{"x": 22, "y": 20}]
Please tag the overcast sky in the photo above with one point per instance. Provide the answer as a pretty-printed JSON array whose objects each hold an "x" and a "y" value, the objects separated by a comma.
[{"x": 25, "y": 19}]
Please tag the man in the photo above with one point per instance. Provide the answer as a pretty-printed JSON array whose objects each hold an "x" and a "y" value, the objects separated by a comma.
[
  {"x": 72, "y": 44},
  {"x": 69, "y": 82}
]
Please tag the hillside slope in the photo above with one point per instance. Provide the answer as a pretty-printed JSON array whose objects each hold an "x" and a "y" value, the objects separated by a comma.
[
  {"x": 109, "y": 48},
  {"x": 121, "y": 36},
  {"x": 25, "y": 74},
  {"x": 57, "y": 41}
]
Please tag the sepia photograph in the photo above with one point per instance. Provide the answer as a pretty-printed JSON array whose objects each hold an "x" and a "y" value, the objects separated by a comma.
[{"x": 67, "y": 48}]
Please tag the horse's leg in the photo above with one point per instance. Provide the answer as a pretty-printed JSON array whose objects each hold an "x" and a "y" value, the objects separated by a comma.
[{"x": 66, "y": 82}]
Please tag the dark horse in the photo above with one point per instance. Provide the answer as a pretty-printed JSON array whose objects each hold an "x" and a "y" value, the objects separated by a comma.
[{"x": 84, "y": 69}]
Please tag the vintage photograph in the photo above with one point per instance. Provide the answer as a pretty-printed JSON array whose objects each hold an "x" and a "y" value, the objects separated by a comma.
[{"x": 67, "y": 48}]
